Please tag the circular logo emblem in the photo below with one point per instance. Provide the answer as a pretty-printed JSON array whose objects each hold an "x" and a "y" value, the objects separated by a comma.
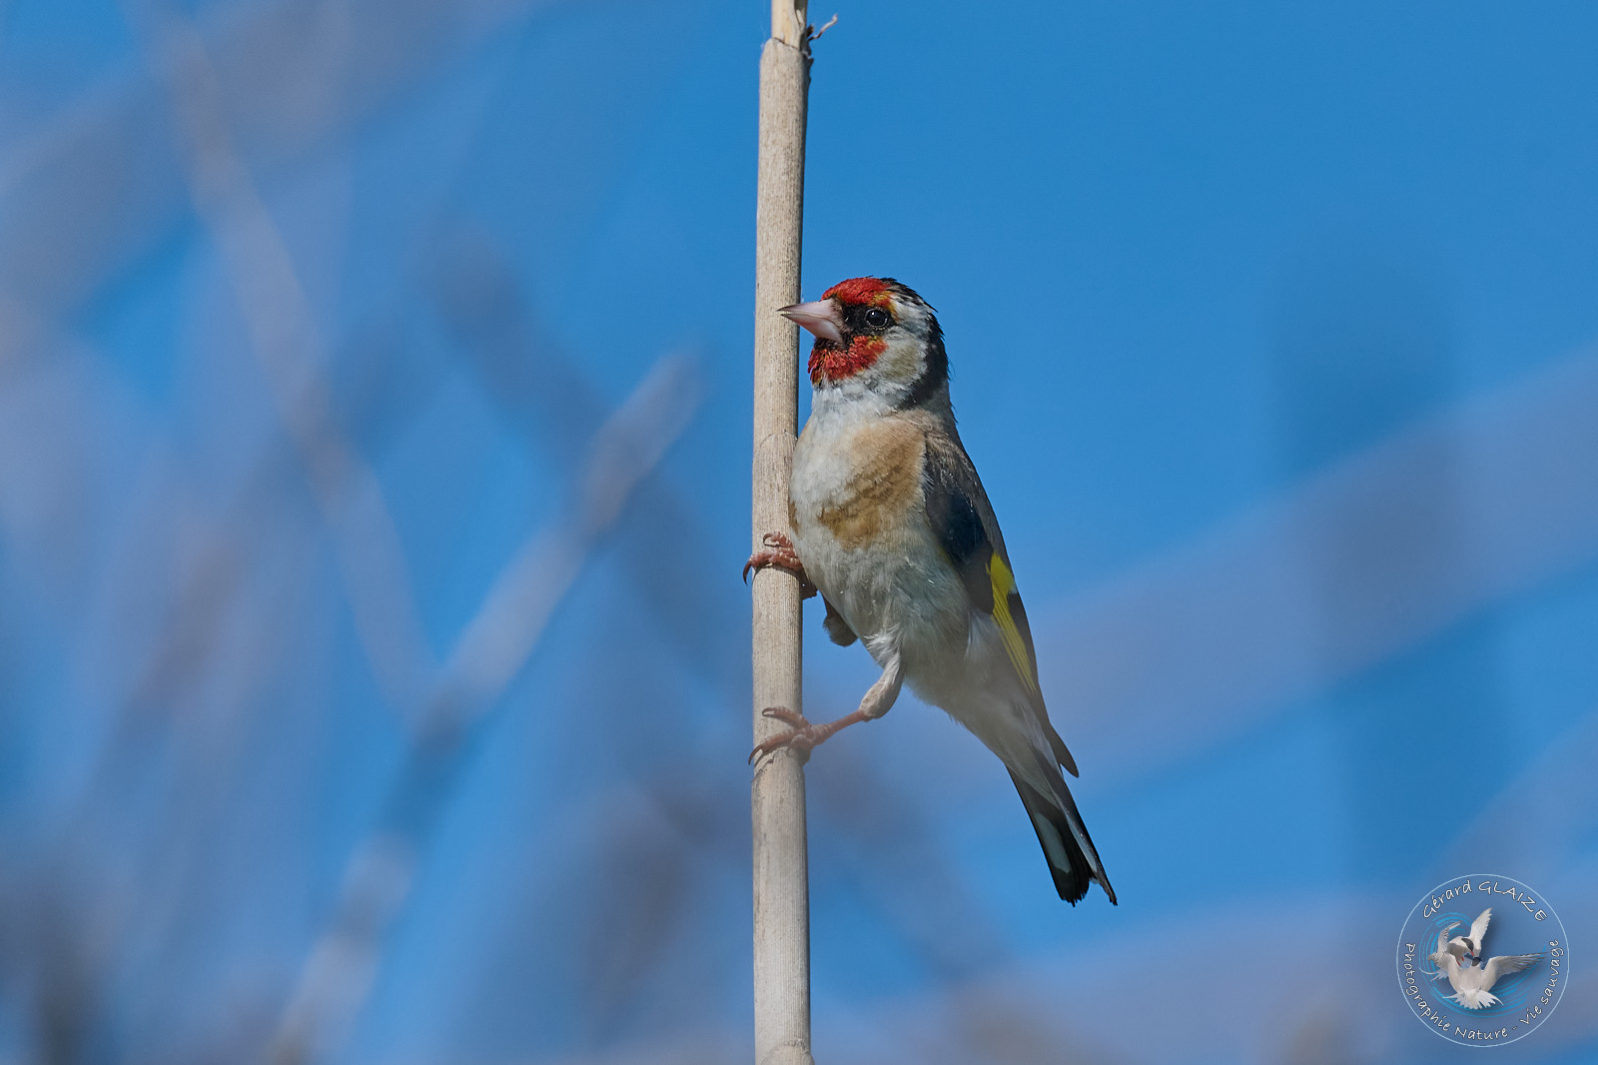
[{"x": 1483, "y": 959}]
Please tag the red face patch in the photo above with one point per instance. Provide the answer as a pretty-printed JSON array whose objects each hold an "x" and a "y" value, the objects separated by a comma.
[
  {"x": 859, "y": 290},
  {"x": 829, "y": 362},
  {"x": 834, "y": 362}
]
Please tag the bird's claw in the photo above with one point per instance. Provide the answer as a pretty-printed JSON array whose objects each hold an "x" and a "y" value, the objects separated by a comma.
[
  {"x": 786, "y": 716},
  {"x": 779, "y": 553},
  {"x": 802, "y": 737}
]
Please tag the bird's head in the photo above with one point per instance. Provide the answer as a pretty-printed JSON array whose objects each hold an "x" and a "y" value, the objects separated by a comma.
[{"x": 876, "y": 335}]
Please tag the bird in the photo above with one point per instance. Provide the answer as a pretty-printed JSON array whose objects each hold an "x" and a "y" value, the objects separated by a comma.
[
  {"x": 1473, "y": 983},
  {"x": 891, "y": 525},
  {"x": 1460, "y": 946},
  {"x": 1447, "y": 946}
]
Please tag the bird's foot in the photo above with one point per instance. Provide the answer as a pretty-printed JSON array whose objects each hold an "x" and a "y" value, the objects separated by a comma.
[
  {"x": 800, "y": 740},
  {"x": 805, "y": 736},
  {"x": 779, "y": 553}
]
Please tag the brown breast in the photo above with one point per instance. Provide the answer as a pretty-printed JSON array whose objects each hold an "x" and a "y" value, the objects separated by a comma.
[{"x": 886, "y": 481}]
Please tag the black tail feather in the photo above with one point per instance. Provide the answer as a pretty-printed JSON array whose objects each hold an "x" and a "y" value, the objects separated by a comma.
[
  {"x": 1072, "y": 858},
  {"x": 1062, "y": 753}
]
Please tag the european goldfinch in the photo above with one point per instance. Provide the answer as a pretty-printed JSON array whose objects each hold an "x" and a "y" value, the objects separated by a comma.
[{"x": 891, "y": 525}]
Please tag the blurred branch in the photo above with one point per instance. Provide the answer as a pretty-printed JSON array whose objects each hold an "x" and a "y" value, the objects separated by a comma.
[
  {"x": 1213, "y": 637},
  {"x": 546, "y": 396},
  {"x": 629, "y": 444},
  {"x": 494, "y": 646},
  {"x": 96, "y": 186},
  {"x": 1555, "y": 790},
  {"x": 491, "y": 651},
  {"x": 288, "y": 344}
]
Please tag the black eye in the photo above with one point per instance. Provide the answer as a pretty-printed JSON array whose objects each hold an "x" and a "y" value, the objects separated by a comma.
[{"x": 877, "y": 318}]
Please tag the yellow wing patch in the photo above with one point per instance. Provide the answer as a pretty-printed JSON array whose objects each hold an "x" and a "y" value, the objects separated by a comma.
[{"x": 1003, "y": 587}]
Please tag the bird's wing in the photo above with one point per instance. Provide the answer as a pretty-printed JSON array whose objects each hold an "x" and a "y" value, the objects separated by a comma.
[
  {"x": 1447, "y": 966},
  {"x": 1505, "y": 964},
  {"x": 1478, "y": 927},
  {"x": 963, "y": 520},
  {"x": 1442, "y": 937}
]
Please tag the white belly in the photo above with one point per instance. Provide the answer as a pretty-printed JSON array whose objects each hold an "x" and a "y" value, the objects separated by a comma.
[{"x": 870, "y": 550}]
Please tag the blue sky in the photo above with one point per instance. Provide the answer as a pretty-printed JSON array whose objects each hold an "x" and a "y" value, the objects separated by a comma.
[{"x": 1271, "y": 329}]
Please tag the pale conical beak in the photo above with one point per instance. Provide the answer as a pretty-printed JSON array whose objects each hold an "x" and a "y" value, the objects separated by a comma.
[{"x": 821, "y": 318}]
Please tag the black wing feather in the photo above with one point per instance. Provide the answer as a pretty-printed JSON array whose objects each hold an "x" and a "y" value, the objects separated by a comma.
[{"x": 964, "y": 537}]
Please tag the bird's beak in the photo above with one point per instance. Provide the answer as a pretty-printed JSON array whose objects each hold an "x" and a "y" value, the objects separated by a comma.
[{"x": 821, "y": 318}]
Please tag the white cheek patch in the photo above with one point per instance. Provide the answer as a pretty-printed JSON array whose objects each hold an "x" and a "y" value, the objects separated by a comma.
[{"x": 900, "y": 364}]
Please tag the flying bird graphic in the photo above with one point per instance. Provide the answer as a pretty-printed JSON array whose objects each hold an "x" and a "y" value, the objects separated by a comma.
[
  {"x": 1448, "y": 946},
  {"x": 1471, "y": 944},
  {"x": 1473, "y": 984}
]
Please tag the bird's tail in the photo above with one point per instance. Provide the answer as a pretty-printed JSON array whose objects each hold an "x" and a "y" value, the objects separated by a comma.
[
  {"x": 1066, "y": 843},
  {"x": 1475, "y": 999}
]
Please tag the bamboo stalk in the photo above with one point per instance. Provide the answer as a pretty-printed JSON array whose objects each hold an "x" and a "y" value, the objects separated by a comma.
[{"x": 777, "y": 799}]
